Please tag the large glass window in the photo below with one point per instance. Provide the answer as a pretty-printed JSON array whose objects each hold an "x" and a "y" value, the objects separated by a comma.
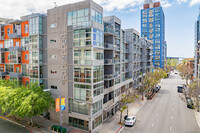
[
  {"x": 78, "y": 17},
  {"x": 82, "y": 92},
  {"x": 82, "y": 124},
  {"x": 14, "y": 57},
  {"x": 97, "y": 121},
  {"x": 157, "y": 57},
  {"x": 98, "y": 74},
  {"x": 82, "y": 56},
  {"x": 98, "y": 38},
  {"x": 25, "y": 70},
  {"x": 34, "y": 26},
  {"x": 82, "y": 74},
  {"x": 9, "y": 68},
  {"x": 25, "y": 43},
  {"x": 157, "y": 52},
  {"x": 34, "y": 71},
  {"x": 98, "y": 89},
  {"x": 8, "y": 43},
  {"x": 82, "y": 37},
  {"x": 96, "y": 107},
  {"x": 98, "y": 54},
  {"x": 96, "y": 16}
]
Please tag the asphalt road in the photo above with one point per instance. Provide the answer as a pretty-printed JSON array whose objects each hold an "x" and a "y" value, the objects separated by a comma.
[
  {"x": 8, "y": 127},
  {"x": 166, "y": 113}
]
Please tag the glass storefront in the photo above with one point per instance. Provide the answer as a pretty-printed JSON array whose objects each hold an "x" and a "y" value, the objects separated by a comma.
[
  {"x": 97, "y": 121},
  {"x": 82, "y": 124}
]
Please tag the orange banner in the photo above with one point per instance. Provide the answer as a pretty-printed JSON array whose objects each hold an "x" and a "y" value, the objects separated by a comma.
[{"x": 57, "y": 104}]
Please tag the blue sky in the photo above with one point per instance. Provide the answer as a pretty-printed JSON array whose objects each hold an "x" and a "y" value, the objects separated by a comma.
[
  {"x": 180, "y": 20},
  {"x": 180, "y": 16}
]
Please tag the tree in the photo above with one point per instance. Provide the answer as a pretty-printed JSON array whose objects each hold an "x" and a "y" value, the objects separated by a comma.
[
  {"x": 24, "y": 101},
  {"x": 125, "y": 99},
  {"x": 194, "y": 91}
]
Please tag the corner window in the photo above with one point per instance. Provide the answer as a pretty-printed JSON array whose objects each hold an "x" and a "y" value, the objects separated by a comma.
[
  {"x": 26, "y": 28},
  {"x": 26, "y": 56}
]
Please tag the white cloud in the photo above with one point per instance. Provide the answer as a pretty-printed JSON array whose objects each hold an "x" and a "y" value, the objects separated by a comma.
[
  {"x": 181, "y": 1},
  {"x": 193, "y": 2},
  {"x": 17, "y": 8}
]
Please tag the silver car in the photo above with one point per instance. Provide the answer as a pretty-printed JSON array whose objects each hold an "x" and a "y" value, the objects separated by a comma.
[{"x": 130, "y": 121}]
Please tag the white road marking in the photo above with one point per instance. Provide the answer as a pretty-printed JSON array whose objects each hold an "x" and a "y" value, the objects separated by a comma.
[
  {"x": 172, "y": 117},
  {"x": 170, "y": 128},
  {"x": 152, "y": 124}
]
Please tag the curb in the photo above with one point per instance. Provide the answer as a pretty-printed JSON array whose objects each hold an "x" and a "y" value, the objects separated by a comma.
[
  {"x": 120, "y": 129},
  {"x": 16, "y": 123}
]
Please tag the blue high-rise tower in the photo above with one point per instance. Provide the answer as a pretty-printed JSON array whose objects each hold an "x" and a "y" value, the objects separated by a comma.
[{"x": 153, "y": 27}]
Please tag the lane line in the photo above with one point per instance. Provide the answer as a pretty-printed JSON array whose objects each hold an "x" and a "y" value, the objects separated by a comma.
[
  {"x": 13, "y": 122},
  {"x": 152, "y": 124},
  {"x": 170, "y": 129}
]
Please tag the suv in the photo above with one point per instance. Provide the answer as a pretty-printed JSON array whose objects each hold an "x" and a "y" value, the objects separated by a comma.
[{"x": 180, "y": 88}]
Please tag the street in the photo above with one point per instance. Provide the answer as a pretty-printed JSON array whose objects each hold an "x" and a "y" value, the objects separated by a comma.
[
  {"x": 8, "y": 127},
  {"x": 166, "y": 113}
]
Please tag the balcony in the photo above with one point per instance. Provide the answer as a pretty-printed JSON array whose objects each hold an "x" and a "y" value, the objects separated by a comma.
[
  {"x": 15, "y": 75},
  {"x": 2, "y": 73},
  {"x": 15, "y": 49},
  {"x": 108, "y": 46},
  {"x": 108, "y": 76},
  {"x": 116, "y": 48},
  {"x": 108, "y": 31},
  {"x": 2, "y": 49},
  {"x": 108, "y": 61},
  {"x": 14, "y": 35}
]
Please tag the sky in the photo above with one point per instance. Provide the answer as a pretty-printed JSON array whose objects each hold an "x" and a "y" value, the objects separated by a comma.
[{"x": 180, "y": 17}]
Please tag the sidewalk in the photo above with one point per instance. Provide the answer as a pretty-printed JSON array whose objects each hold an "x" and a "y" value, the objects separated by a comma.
[
  {"x": 197, "y": 115},
  {"x": 41, "y": 125},
  {"x": 111, "y": 125}
]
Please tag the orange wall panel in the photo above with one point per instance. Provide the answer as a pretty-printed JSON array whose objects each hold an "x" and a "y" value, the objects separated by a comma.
[
  {"x": 23, "y": 29},
  {"x": 2, "y": 42},
  {"x": 2, "y": 65},
  {"x": 6, "y": 57},
  {"x": 17, "y": 65},
  {"x": 7, "y": 77},
  {"x": 24, "y": 79},
  {"x": 23, "y": 57},
  {"x": 6, "y": 30},
  {"x": 17, "y": 40}
]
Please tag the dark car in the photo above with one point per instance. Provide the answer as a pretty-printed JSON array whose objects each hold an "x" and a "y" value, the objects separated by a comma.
[
  {"x": 190, "y": 103},
  {"x": 180, "y": 88}
]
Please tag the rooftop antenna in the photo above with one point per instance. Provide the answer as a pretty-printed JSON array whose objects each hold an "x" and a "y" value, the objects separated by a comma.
[{"x": 55, "y": 4}]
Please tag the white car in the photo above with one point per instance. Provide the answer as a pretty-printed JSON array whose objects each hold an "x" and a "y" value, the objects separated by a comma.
[{"x": 130, "y": 121}]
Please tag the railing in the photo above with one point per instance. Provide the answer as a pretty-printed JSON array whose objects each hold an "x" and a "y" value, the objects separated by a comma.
[
  {"x": 108, "y": 76},
  {"x": 12, "y": 74},
  {"x": 14, "y": 35},
  {"x": 108, "y": 30},
  {"x": 2, "y": 73},
  {"x": 108, "y": 45},
  {"x": 108, "y": 61}
]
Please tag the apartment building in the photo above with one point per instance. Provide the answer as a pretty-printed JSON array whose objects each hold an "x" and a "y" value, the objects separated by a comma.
[
  {"x": 22, "y": 47},
  {"x": 153, "y": 28}
]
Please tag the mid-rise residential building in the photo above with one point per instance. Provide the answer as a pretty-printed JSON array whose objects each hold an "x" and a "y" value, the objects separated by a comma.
[
  {"x": 197, "y": 47},
  {"x": 22, "y": 49},
  {"x": 91, "y": 62},
  {"x": 153, "y": 27}
]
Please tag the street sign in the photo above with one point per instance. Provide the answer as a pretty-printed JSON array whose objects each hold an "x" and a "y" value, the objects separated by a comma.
[
  {"x": 57, "y": 104},
  {"x": 63, "y": 103}
]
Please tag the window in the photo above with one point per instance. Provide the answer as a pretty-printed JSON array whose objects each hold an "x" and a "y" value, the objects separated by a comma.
[
  {"x": 17, "y": 44},
  {"x": 26, "y": 28},
  {"x": 82, "y": 37},
  {"x": 53, "y": 25},
  {"x": 52, "y": 41},
  {"x": 144, "y": 20},
  {"x": 26, "y": 56},
  {"x": 17, "y": 69},
  {"x": 150, "y": 13},
  {"x": 96, "y": 16},
  {"x": 82, "y": 74},
  {"x": 144, "y": 25},
  {"x": 82, "y": 92},
  {"x": 53, "y": 87},
  {"x": 25, "y": 70},
  {"x": 53, "y": 56},
  {"x": 150, "y": 19},
  {"x": 8, "y": 30},
  {"x": 96, "y": 107},
  {"x": 53, "y": 71}
]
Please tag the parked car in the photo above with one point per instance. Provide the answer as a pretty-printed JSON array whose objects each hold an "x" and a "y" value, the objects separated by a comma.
[
  {"x": 157, "y": 88},
  {"x": 190, "y": 103},
  {"x": 180, "y": 88},
  {"x": 130, "y": 121}
]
